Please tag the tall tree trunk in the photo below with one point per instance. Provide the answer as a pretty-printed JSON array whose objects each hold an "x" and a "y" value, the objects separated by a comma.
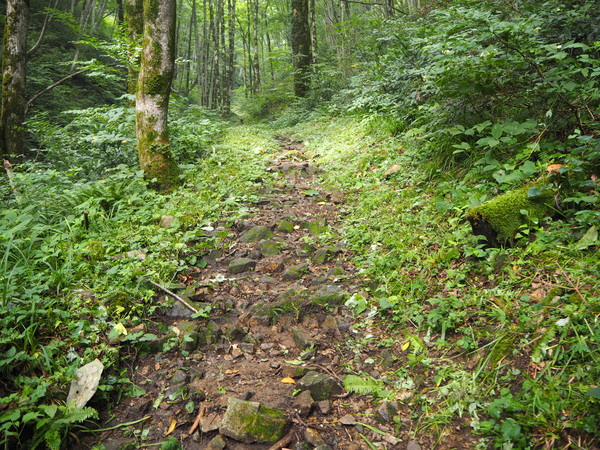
[
  {"x": 14, "y": 62},
  {"x": 120, "y": 12},
  {"x": 313, "y": 35},
  {"x": 230, "y": 54},
  {"x": 301, "y": 47},
  {"x": 256, "y": 60},
  {"x": 134, "y": 20},
  {"x": 152, "y": 100}
]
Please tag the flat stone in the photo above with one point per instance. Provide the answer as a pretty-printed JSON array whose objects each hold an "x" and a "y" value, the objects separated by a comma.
[
  {"x": 256, "y": 234},
  {"x": 210, "y": 422},
  {"x": 250, "y": 422},
  {"x": 240, "y": 265},
  {"x": 413, "y": 445},
  {"x": 217, "y": 443},
  {"x": 269, "y": 247},
  {"x": 321, "y": 387},
  {"x": 313, "y": 437},
  {"x": 295, "y": 272},
  {"x": 329, "y": 295}
]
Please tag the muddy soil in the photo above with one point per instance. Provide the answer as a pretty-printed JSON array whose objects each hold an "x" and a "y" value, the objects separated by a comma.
[{"x": 266, "y": 328}]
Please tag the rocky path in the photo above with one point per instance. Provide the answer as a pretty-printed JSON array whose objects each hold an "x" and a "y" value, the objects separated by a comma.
[{"x": 265, "y": 369}]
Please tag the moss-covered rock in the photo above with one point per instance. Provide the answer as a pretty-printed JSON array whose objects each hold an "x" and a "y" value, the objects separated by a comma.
[
  {"x": 250, "y": 422},
  {"x": 500, "y": 218}
]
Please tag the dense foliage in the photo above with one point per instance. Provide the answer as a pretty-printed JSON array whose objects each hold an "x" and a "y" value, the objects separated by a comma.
[{"x": 468, "y": 100}]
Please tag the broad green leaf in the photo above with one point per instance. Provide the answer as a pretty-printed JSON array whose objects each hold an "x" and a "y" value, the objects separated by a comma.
[
  {"x": 534, "y": 192},
  {"x": 497, "y": 131},
  {"x": 50, "y": 410},
  {"x": 594, "y": 392}
]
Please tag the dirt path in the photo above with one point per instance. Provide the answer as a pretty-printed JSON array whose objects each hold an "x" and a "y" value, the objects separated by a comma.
[{"x": 276, "y": 312}]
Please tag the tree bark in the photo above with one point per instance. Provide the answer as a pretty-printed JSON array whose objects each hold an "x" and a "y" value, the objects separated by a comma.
[
  {"x": 134, "y": 21},
  {"x": 14, "y": 63},
  {"x": 301, "y": 47},
  {"x": 152, "y": 100}
]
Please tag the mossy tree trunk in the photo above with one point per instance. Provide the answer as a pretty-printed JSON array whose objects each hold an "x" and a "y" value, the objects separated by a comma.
[
  {"x": 152, "y": 100},
  {"x": 301, "y": 47},
  {"x": 14, "y": 62},
  {"x": 134, "y": 22}
]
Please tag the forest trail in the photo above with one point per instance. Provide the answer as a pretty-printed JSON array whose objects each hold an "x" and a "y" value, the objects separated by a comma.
[{"x": 276, "y": 280}]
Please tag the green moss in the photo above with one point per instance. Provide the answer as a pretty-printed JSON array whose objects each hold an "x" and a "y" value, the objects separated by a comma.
[{"x": 504, "y": 213}]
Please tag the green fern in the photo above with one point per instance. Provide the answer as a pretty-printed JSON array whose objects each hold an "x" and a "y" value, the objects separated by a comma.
[{"x": 365, "y": 385}]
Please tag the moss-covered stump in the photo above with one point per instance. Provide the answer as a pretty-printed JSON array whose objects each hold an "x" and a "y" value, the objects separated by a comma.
[
  {"x": 250, "y": 422},
  {"x": 500, "y": 218}
]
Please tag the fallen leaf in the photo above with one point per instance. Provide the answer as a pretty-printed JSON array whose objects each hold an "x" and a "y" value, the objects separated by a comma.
[
  {"x": 171, "y": 427},
  {"x": 288, "y": 380},
  {"x": 405, "y": 345}
]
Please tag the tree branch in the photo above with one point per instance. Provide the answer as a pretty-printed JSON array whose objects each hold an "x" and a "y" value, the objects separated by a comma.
[{"x": 52, "y": 86}]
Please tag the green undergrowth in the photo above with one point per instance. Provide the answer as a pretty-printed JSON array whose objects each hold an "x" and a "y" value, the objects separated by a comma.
[
  {"x": 507, "y": 339},
  {"x": 75, "y": 260}
]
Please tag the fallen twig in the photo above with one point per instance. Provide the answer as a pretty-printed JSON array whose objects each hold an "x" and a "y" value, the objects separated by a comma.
[
  {"x": 174, "y": 295},
  {"x": 283, "y": 441},
  {"x": 197, "y": 421}
]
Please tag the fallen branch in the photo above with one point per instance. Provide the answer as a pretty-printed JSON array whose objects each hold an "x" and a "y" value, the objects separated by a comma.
[
  {"x": 281, "y": 443},
  {"x": 197, "y": 421},
  {"x": 174, "y": 295}
]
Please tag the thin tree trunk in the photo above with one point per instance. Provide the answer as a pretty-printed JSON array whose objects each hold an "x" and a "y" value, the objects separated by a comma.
[
  {"x": 231, "y": 54},
  {"x": 14, "y": 75},
  {"x": 256, "y": 60}
]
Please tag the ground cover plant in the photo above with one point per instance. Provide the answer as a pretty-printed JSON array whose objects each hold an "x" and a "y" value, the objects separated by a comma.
[
  {"x": 76, "y": 261},
  {"x": 508, "y": 334}
]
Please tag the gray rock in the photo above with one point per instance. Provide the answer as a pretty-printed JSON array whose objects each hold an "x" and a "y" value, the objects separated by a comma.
[
  {"x": 166, "y": 221},
  {"x": 413, "y": 445},
  {"x": 295, "y": 272},
  {"x": 329, "y": 295},
  {"x": 321, "y": 387},
  {"x": 348, "y": 420},
  {"x": 210, "y": 422},
  {"x": 180, "y": 376},
  {"x": 325, "y": 407},
  {"x": 337, "y": 197},
  {"x": 303, "y": 403},
  {"x": 217, "y": 443},
  {"x": 316, "y": 227},
  {"x": 313, "y": 437},
  {"x": 250, "y": 422},
  {"x": 256, "y": 234},
  {"x": 326, "y": 254},
  {"x": 269, "y": 247},
  {"x": 286, "y": 226},
  {"x": 302, "y": 339},
  {"x": 240, "y": 265}
]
